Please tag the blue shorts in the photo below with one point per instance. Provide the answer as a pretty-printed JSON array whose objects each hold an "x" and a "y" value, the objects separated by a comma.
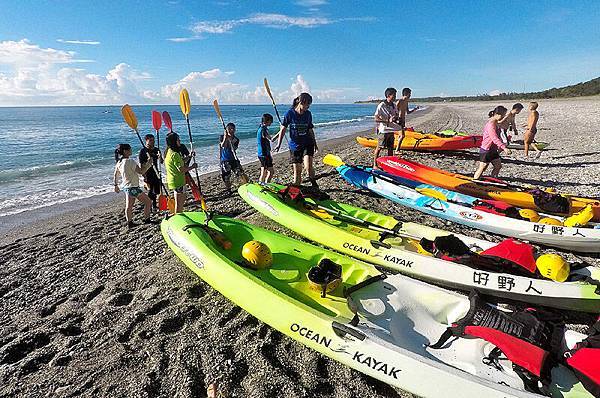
[{"x": 133, "y": 191}]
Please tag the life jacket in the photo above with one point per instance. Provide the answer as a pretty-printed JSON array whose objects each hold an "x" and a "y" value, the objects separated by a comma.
[
  {"x": 521, "y": 336},
  {"x": 584, "y": 360},
  {"x": 509, "y": 256},
  {"x": 550, "y": 202},
  {"x": 298, "y": 194}
]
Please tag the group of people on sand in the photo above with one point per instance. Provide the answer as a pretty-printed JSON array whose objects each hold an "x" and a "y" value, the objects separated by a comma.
[
  {"x": 390, "y": 117},
  {"x": 177, "y": 158},
  {"x": 496, "y": 136}
]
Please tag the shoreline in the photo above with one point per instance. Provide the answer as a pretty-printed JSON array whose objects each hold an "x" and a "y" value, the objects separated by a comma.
[{"x": 92, "y": 309}]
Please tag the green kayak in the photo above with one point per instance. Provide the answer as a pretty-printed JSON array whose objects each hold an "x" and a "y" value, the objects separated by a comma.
[{"x": 374, "y": 324}]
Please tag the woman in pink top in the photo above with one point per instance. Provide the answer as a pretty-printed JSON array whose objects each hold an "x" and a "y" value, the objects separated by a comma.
[{"x": 488, "y": 152}]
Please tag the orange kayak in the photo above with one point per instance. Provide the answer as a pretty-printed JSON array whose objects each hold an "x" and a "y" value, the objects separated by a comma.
[
  {"x": 489, "y": 189},
  {"x": 428, "y": 142}
]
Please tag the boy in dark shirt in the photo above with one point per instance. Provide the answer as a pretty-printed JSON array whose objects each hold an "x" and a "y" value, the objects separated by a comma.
[
  {"x": 263, "y": 142},
  {"x": 228, "y": 144},
  {"x": 151, "y": 180}
]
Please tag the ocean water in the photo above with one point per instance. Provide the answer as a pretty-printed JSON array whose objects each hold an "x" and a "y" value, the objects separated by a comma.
[{"x": 54, "y": 155}]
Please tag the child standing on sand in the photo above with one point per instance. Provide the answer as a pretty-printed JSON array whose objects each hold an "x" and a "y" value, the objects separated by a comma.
[
  {"x": 175, "y": 165},
  {"x": 403, "y": 111},
  {"x": 488, "y": 152},
  {"x": 508, "y": 122},
  {"x": 263, "y": 142},
  {"x": 387, "y": 119},
  {"x": 228, "y": 144},
  {"x": 129, "y": 171},
  {"x": 302, "y": 143},
  {"x": 150, "y": 178},
  {"x": 529, "y": 135}
]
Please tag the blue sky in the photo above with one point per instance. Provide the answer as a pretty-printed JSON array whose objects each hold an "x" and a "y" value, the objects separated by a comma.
[{"x": 80, "y": 52}]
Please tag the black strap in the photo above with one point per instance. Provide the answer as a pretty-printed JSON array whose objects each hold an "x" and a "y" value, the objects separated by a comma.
[
  {"x": 449, "y": 332},
  {"x": 349, "y": 290}
]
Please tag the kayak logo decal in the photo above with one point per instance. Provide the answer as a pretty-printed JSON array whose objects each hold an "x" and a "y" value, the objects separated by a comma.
[
  {"x": 470, "y": 216},
  {"x": 356, "y": 248},
  {"x": 310, "y": 335},
  {"x": 263, "y": 204},
  {"x": 401, "y": 165},
  {"x": 374, "y": 364},
  {"x": 398, "y": 261},
  {"x": 182, "y": 245}
]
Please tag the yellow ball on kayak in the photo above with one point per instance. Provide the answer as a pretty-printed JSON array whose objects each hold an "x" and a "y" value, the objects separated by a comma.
[
  {"x": 530, "y": 214},
  {"x": 550, "y": 221},
  {"x": 257, "y": 255},
  {"x": 553, "y": 266}
]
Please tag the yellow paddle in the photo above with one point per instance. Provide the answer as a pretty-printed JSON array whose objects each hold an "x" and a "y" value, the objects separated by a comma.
[
  {"x": 244, "y": 178},
  {"x": 432, "y": 193},
  {"x": 132, "y": 122},
  {"x": 185, "y": 105},
  {"x": 274, "y": 106},
  {"x": 333, "y": 160}
]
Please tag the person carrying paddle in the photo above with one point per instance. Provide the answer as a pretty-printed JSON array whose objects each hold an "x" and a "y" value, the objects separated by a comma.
[
  {"x": 491, "y": 143},
  {"x": 150, "y": 178},
  {"x": 302, "y": 143},
  {"x": 176, "y": 167},
  {"x": 387, "y": 119},
  {"x": 129, "y": 172},
  {"x": 403, "y": 111},
  {"x": 508, "y": 122},
  {"x": 263, "y": 142},
  {"x": 530, "y": 132},
  {"x": 228, "y": 145}
]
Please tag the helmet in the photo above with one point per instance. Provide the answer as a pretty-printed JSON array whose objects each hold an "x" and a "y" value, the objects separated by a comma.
[
  {"x": 553, "y": 266},
  {"x": 550, "y": 221},
  {"x": 530, "y": 214},
  {"x": 257, "y": 255}
]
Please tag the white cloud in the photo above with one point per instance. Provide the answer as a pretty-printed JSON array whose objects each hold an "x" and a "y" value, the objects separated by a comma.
[
  {"x": 84, "y": 42},
  {"x": 495, "y": 92},
  {"x": 311, "y": 3},
  {"x": 270, "y": 20}
]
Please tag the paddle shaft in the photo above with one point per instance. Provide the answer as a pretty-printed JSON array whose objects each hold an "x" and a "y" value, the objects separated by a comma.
[{"x": 187, "y": 119}]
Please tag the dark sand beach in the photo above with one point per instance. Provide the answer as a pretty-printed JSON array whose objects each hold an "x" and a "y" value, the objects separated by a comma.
[{"x": 90, "y": 309}]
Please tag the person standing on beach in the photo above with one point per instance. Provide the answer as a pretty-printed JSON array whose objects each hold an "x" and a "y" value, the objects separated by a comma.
[
  {"x": 228, "y": 145},
  {"x": 508, "y": 122},
  {"x": 302, "y": 143},
  {"x": 150, "y": 178},
  {"x": 176, "y": 167},
  {"x": 387, "y": 119},
  {"x": 263, "y": 142},
  {"x": 129, "y": 172},
  {"x": 529, "y": 135},
  {"x": 488, "y": 152},
  {"x": 403, "y": 111}
]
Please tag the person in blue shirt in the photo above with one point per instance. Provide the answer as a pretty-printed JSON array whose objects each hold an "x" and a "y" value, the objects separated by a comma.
[
  {"x": 263, "y": 142},
  {"x": 228, "y": 144},
  {"x": 302, "y": 142}
]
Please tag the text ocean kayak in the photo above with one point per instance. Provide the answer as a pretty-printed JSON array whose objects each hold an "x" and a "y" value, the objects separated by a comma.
[{"x": 395, "y": 316}]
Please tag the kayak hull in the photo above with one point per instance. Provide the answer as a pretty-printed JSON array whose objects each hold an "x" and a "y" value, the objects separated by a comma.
[{"x": 427, "y": 142}]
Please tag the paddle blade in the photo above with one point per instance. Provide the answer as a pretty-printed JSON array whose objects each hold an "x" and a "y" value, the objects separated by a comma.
[
  {"x": 167, "y": 120},
  {"x": 268, "y": 90},
  {"x": 333, "y": 160},
  {"x": 432, "y": 193},
  {"x": 129, "y": 116},
  {"x": 217, "y": 109},
  {"x": 184, "y": 102},
  {"x": 203, "y": 203},
  {"x": 162, "y": 202},
  {"x": 156, "y": 120}
]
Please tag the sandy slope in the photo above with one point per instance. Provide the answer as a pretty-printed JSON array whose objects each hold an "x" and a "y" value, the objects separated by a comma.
[{"x": 87, "y": 309}]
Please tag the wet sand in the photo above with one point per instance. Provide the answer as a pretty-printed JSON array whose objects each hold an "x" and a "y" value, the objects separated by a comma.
[{"x": 90, "y": 309}]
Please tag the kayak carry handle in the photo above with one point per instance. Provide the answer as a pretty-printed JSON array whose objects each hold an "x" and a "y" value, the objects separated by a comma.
[
  {"x": 348, "y": 291},
  {"x": 342, "y": 330}
]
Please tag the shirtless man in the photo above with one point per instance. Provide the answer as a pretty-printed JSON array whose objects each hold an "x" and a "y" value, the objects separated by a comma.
[
  {"x": 508, "y": 122},
  {"x": 403, "y": 111},
  {"x": 529, "y": 135}
]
